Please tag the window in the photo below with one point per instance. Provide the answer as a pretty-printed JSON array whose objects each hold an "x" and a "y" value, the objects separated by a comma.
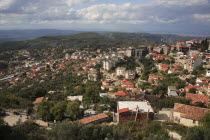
[{"x": 194, "y": 121}]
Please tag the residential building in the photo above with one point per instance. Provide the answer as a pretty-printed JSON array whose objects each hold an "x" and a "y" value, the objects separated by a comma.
[
  {"x": 134, "y": 111},
  {"x": 99, "y": 118},
  {"x": 120, "y": 71},
  {"x": 195, "y": 98},
  {"x": 38, "y": 100},
  {"x": 153, "y": 79},
  {"x": 188, "y": 115},
  {"x": 137, "y": 52},
  {"x": 67, "y": 56},
  {"x": 129, "y": 74},
  {"x": 93, "y": 75},
  {"x": 201, "y": 81},
  {"x": 108, "y": 64},
  {"x": 121, "y": 94},
  {"x": 163, "y": 67},
  {"x": 172, "y": 91},
  {"x": 73, "y": 98}
]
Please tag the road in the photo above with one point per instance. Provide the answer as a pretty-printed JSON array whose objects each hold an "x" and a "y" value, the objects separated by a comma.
[{"x": 142, "y": 67}]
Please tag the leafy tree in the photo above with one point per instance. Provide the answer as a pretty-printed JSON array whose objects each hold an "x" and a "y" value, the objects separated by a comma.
[
  {"x": 44, "y": 110},
  {"x": 161, "y": 51},
  {"x": 201, "y": 104},
  {"x": 13, "y": 101},
  {"x": 169, "y": 102},
  {"x": 28, "y": 130},
  {"x": 191, "y": 80},
  {"x": 197, "y": 133},
  {"x": 205, "y": 121},
  {"x": 58, "y": 112},
  {"x": 100, "y": 109},
  {"x": 193, "y": 90},
  {"x": 73, "y": 109}
]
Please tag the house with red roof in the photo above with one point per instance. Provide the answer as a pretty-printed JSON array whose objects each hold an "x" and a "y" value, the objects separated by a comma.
[
  {"x": 201, "y": 81},
  {"x": 160, "y": 56},
  {"x": 153, "y": 79},
  {"x": 121, "y": 94},
  {"x": 99, "y": 118},
  {"x": 134, "y": 111},
  {"x": 195, "y": 98},
  {"x": 128, "y": 85},
  {"x": 163, "y": 67},
  {"x": 188, "y": 115},
  {"x": 38, "y": 100}
]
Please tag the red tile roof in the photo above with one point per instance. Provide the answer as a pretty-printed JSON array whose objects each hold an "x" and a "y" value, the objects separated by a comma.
[
  {"x": 126, "y": 82},
  {"x": 189, "y": 87},
  {"x": 94, "y": 118},
  {"x": 123, "y": 110},
  {"x": 197, "y": 98},
  {"x": 121, "y": 93},
  {"x": 164, "y": 65},
  {"x": 190, "y": 112},
  {"x": 38, "y": 100}
]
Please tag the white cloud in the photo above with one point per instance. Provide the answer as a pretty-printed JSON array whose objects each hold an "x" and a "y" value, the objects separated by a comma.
[
  {"x": 202, "y": 17},
  {"x": 156, "y": 12},
  {"x": 182, "y": 2},
  {"x": 71, "y": 3},
  {"x": 5, "y": 4}
]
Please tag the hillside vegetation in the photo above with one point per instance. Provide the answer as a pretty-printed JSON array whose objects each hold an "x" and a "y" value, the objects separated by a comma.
[{"x": 94, "y": 41}]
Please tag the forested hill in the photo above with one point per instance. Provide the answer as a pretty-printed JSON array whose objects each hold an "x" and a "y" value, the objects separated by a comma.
[
  {"x": 66, "y": 41},
  {"x": 94, "y": 40},
  {"x": 167, "y": 38},
  {"x": 19, "y": 35}
]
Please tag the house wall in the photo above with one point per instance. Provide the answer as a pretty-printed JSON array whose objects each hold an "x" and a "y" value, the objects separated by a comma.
[
  {"x": 184, "y": 121},
  {"x": 188, "y": 122},
  {"x": 128, "y": 116}
]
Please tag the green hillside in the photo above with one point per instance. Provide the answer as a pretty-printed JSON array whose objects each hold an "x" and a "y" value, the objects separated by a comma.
[
  {"x": 85, "y": 35},
  {"x": 94, "y": 41}
]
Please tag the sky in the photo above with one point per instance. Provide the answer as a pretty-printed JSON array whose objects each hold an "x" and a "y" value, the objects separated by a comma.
[{"x": 164, "y": 16}]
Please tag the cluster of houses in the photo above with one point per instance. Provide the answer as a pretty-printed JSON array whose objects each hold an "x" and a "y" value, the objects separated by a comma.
[{"x": 122, "y": 83}]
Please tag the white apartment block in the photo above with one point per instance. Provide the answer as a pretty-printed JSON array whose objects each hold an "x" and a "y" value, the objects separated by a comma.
[{"x": 120, "y": 71}]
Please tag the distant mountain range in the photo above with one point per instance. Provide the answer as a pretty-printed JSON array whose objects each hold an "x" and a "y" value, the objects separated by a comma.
[{"x": 19, "y": 35}]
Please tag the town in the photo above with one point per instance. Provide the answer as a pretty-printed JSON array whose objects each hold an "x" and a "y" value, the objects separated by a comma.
[{"x": 161, "y": 84}]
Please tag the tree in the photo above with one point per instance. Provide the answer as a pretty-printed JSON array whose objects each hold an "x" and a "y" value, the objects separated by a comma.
[
  {"x": 72, "y": 109},
  {"x": 44, "y": 110},
  {"x": 162, "y": 51},
  {"x": 201, "y": 104},
  {"x": 205, "y": 121},
  {"x": 193, "y": 90},
  {"x": 28, "y": 130},
  {"x": 58, "y": 112},
  {"x": 195, "y": 133}
]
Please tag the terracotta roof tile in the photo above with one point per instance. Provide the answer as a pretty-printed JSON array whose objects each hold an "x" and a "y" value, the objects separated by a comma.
[
  {"x": 121, "y": 93},
  {"x": 93, "y": 119},
  {"x": 190, "y": 112},
  {"x": 38, "y": 100},
  {"x": 123, "y": 110},
  {"x": 197, "y": 98}
]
